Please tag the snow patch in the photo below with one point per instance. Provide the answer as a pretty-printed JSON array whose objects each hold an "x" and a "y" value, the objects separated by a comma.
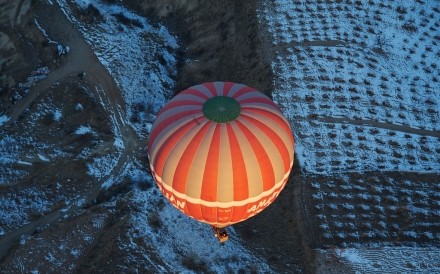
[
  {"x": 102, "y": 166},
  {"x": 130, "y": 51},
  {"x": 390, "y": 259},
  {"x": 43, "y": 158},
  {"x": 24, "y": 163},
  {"x": 119, "y": 143},
  {"x": 57, "y": 115},
  {"x": 84, "y": 130},
  {"x": 3, "y": 119}
]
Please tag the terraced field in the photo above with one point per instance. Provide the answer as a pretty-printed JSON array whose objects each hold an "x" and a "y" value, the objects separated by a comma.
[{"x": 359, "y": 81}]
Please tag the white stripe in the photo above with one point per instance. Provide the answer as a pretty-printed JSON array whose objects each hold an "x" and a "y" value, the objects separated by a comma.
[
  {"x": 252, "y": 166},
  {"x": 203, "y": 89},
  {"x": 219, "y": 88},
  {"x": 252, "y": 94},
  {"x": 177, "y": 110},
  {"x": 220, "y": 204},
  {"x": 197, "y": 169},
  {"x": 225, "y": 178},
  {"x": 173, "y": 159},
  {"x": 235, "y": 88},
  {"x": 269, "y": 148},
  {"x": 166, "y": 132},
  {"x": 276, "y": 127}
]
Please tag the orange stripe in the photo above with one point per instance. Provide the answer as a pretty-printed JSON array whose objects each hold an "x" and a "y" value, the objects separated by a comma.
[
  {"x": 193, "y": 210},
  {"x": 221, "y": 217},
  {"x": 195, "y": 92},
  {"x": 209, "y": 214},
  {"x": 166, "y": 148},
  {"x": 238, "y": 214},
  {"x": 211, "y": 87},
  {"x": 157, "y": 129},
  {"x": 275, "y": 138},
  {"x": 265, "y": 165},
  {"x": 210, "y": 174},
  {"x": 243, "y": 90},
  {"x": 273, "y": 116},
  {"x": 180, "y": 177},
  {"x": 241, "y": 184},
  {"x": 264, "y": 100},
  {"x": 178, "y": 103},
  {"x": 227, "y": 87},
  {"x": 224, "y": 215}
]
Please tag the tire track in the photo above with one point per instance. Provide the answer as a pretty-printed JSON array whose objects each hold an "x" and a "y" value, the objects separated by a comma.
[{"x": 377, "y": 124}]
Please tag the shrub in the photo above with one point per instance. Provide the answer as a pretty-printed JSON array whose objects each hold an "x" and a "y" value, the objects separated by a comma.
[
  {"x": 127, "y": 21},
  {"x": 401, "y": 10},
  {"x": 92, "y": 10},
  {"x": 193, "y": 263},
  {"x": 155, "y": 221},
  {"x": 409, "y": 27}
]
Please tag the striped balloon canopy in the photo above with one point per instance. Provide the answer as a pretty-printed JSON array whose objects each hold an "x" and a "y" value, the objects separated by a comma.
[{"x": 221, "y": 152}]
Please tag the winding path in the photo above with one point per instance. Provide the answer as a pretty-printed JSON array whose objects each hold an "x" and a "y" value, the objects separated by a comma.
[{"x": 81, "y": 58}]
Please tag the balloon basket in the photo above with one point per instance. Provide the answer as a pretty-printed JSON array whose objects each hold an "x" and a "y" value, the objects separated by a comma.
[{"x": 220, "y": 234}]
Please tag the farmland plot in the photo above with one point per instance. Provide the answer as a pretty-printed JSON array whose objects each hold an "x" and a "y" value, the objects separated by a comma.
[
  {"x": 359, "y": 81},
  {"x": 391, "y": 260}
]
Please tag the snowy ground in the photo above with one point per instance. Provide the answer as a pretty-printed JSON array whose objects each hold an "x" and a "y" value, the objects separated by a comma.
[
  {"x": 369, "y": 102},
  {"x": 370, "y": 105},
  {"x": 359, "y": 81},
  {"x": 129, "y": 47},
  {"x": 391, "y": 259},
  {"x": 129, "y": 52}
]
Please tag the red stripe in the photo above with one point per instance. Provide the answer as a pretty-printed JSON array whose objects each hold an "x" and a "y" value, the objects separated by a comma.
[
  {"x": 224, "y": 215},
  {"x": 180, "y": 178},
  {"x": 179, "y": 103},
  {"x": 238, "y": 214},
  {"x": 166, "y": 148},
  {"x": 209, "y": 214},
  {"x": 241, "y": 184},
  {"x": 210, "y": 174},
  {"x": 227, "y": 87},
  {"x": 243, "y": 90},
  {"x": 211, "y": 87},
  {"x": 193, "y": 210},
  {"x": 195, "y": 92},
  {"x": 263, "y": 100},
  {"x": 157, "y": 129},
  {"x": 275, "y": 138},
  {"x": 230, "y": 215},
  {"x": 263, "y": 159},
  {"x": 271, "y": 115}
]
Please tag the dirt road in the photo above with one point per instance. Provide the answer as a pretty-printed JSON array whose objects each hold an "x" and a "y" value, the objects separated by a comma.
[{"x": 80, "y": 59}]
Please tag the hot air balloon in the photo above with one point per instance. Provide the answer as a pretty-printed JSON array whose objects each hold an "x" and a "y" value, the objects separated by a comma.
[{"x": 221, "y": 152}]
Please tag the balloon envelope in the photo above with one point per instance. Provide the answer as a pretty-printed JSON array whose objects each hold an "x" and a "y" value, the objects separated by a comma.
[{"x": 221, "y": 152}]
